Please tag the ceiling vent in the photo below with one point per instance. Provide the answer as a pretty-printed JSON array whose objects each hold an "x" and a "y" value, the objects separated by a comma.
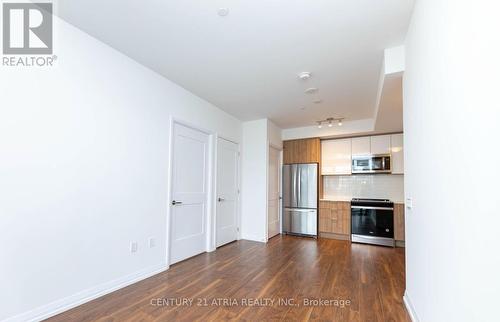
[
  {"x": 223, "y": 12},
  {"x": 305, "y": 76}
]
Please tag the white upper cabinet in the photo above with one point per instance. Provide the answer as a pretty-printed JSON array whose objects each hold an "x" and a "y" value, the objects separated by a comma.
[
  {"x": 380, "y": 144},
  {"x": 397, "y": 152},
  {"x": 336, "y": 157},
  {"x": 361, "y": 146}
]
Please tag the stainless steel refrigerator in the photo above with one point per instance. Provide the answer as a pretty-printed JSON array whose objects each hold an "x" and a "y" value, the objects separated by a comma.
[{"x": 300, "y": 199}]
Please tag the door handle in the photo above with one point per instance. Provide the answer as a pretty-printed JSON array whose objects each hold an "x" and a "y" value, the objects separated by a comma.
[
  {"x": 220, "y": 199},
  {"x": 174, "y": 202}
]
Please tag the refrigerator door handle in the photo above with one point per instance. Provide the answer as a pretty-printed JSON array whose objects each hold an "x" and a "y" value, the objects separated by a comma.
[
  {"x": 294, "y": 187},
  {"x": 299, "y": 181}
]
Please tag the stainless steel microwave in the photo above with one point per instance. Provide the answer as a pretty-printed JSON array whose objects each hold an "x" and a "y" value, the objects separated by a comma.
[{"x": 380, "y": 163}]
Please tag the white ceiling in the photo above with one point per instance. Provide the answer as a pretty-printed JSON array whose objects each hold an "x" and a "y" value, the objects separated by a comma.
[{"x": 247, "y": 62}]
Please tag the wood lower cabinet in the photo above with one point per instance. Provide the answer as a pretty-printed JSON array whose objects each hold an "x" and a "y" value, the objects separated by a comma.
[
  {"x": 399, "y": 222},
  {"x": 302, "y": 151},
  {"x": 335, "y": 219}
]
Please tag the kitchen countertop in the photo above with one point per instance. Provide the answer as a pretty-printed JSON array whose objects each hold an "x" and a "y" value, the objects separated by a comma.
[
  {"x": 329, "y": 198},
  {"x": 335, "y": 199}
]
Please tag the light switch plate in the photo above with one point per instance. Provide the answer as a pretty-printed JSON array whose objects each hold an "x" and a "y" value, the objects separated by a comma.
[
  {"x": 152, "y": 242},
  {"x": 409, "y": 203},
  {"x": 133, "y": 247}
]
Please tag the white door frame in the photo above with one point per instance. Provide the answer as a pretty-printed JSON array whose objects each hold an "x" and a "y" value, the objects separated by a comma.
[
  {"x": 210, "y": 180},
  {"x": 238, "y": 201},
  {"x": 279, "y": 148}
]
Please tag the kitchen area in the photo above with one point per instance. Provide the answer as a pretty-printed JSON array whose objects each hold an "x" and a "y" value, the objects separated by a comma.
[{"x": 345, "y": 188}]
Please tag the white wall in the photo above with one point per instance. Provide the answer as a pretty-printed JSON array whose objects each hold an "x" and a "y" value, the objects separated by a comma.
[
  {"x": 274, "y": 135},
  {"x": 257, "y": 137},
  {"x": 254, "y": 180},
  {"x": 451, "y": 115},
  {"x": 84, "y": 171}
]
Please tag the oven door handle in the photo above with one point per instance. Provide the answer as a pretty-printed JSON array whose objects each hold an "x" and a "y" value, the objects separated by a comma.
[
  {"x": 300, "y": 210},
  {"x": 371, "y": 208}
]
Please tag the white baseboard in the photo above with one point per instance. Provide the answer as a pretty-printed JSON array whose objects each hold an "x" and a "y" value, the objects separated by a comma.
[
  {"x": 64, "y": 304},
  {"x": 410, "y": 308},
  {"x": 254, "y": 238}
]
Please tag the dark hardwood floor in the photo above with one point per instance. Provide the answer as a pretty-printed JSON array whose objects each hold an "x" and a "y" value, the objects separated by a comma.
[{"x": 370, "y": 277}]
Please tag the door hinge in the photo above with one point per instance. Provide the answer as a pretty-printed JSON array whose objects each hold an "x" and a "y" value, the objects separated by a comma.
[{"x": 238, "y": 229}]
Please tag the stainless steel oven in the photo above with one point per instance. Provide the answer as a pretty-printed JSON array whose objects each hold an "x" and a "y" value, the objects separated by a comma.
[
  {"x": 380, "y": 163},
  {"x": 372, "y": 221}
]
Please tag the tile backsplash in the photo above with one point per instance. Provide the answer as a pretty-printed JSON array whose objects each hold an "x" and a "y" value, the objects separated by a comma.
[{"x": 380, "y": 186}]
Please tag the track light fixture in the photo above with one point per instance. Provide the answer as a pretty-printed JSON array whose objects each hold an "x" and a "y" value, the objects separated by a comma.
[{"x": 330, "y": 121}]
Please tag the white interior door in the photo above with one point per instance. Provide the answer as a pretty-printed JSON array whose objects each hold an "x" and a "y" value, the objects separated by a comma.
[
  {"x": 273, "y": 195},
  {"x": 227, "y": 192},
  {"x": 189, "y": 193}
]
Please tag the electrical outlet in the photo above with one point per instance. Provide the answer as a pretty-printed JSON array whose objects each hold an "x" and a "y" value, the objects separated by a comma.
[
  {"x": 152, "y": 242},
  {"x": 133, "y": 247}
]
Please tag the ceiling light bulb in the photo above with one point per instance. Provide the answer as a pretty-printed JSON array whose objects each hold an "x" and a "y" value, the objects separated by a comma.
[
  {"x": 330, "y": 124},
  {"x": 320, "y": 126},
  {"x": 340, "y": 122}
]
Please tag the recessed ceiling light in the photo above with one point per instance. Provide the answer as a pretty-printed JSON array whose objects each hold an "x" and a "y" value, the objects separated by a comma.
[
  {"x": 302, "y": 108},
  {"x": 223, "y": 12},
  {"x": 311, "y": 90},
  {"x": 317, "y": 101},
  {"x": 305, "y": 75}
]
